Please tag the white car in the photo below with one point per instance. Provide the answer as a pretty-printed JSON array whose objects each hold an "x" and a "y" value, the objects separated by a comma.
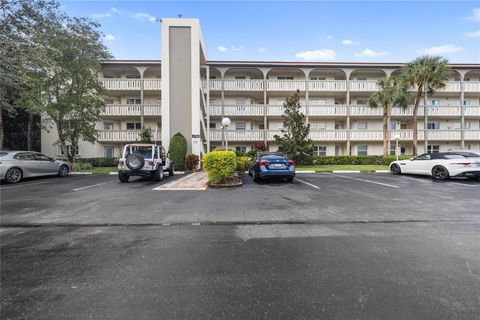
[{"x": 440, "y": 166}]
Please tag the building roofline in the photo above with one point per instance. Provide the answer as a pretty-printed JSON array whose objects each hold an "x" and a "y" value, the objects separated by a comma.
[{"x": 218, "y": 63}]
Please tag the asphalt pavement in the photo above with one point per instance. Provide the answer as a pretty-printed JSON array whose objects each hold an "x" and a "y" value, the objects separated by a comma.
[{"x": 328, "y": 246}]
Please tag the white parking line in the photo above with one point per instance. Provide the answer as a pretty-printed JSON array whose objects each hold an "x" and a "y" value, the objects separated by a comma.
[
  {"x": 93, "y": 185},
  {"x": 40, "y": 182},
  {"x": 308, "y": 183},
  {"x": 365, "y": 180},
  {"x": 464, "y": 184}
]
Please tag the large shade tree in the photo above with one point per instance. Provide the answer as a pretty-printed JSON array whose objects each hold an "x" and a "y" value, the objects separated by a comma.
[
  {"x": 391, "y": 93},
  {"x": 425, "y": 74}
]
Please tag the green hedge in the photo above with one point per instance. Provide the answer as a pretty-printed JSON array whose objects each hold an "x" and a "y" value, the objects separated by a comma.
[
  {"x": 219, "y": 165},
  {"x": 178, "y": 151},
  {"x": 99, "y": 162},
  {"x": 243, "y": 163},
  {"x": 356, "y": 160}
]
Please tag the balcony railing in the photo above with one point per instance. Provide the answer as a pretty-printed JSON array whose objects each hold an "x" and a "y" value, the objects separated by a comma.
[
  {"x": 327, "y": 85},
  {"x": 472, "y": 111},
  {"x": 363, "y": 110},
  {"x": 131, "y": 110},
  {"x": 363, "y": 85},
  {"x": 471, "y": 86},
  {"x": 342, "y": 135},
  {"x": 285, "y": 85},
  {"x": 123, "y": 135},
  {"x": 327, "y": 110},
  {"x": 130, "y": 84}
]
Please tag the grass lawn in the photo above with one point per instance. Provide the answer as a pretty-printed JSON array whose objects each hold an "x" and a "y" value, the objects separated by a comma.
[
  {"x": 342, "y": 167},
  {"x": 100, "y": 170}
]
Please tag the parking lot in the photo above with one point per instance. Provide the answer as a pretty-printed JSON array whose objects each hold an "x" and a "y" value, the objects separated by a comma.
[
  {"x": 313, "y": 197},
  {"x": 335, "y": 246}
]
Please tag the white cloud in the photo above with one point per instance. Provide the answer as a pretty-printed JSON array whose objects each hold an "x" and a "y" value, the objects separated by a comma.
[
  {"x": 447, "y": 48},
  {"x": 142, "y": 16},
  {"x": 475, "y": 34},
  {"x": 113, "y": 9},
  {"x": 476, "y": 15},
  {"x": 233, "y": 48},
  {"x": 100, "y": 15},
  {"x": 324, "y": 54},
  {"x": 108, "y": 37},
  {"x": 348, "y": 42},
  {"x": 262, "y": 49},
  {"x": 222, "y": 48},
  {"x": 370, "y": 53}
]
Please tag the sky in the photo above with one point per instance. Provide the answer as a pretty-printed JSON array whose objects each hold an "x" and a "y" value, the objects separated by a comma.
[{"x": 335, "y": 31}]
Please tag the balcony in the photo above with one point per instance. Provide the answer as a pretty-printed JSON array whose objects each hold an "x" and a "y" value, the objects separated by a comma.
[
  {"x": 440, "y": 135},
  {"x": 471, "y": 86},
  {"x": 238, "y": 110},
  {"x": 329, "y": 135},
  {"x": 472, "y": 111},
  {"x": 131, "y": 84},
  {"x": 327, "y": 110},
  {"x": 327, "y": 85},
  {"x": 131, "y": 110},
  {"x": 123, "y": 135},
  {"x": 472, "y": 135},
  {"x": 363, "y": 110},
  {"x": 285, "y": 85},
  {"x": 237, "y": 135},
  {"x": 364, "y": 85}
]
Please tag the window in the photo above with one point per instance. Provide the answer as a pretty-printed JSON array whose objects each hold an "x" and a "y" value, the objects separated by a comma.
[
  {"x": 318, "y": 102},
  {"x": 261, "y": 126},
  {"x": 318, "y": 78},
  {"x": 456, "y": 103},
  {"x": 467, "y": 146},
  {"x": 213, "y": 125},
  {"x": 362, "y": 125},
  {"x": 362, "y": 150},
  {"x": 466, "y": 79},
  {"x": 109, "y": 101},
  {"x": 133, "y": 76},
  {"x": 108, "y": 152},
  {"x": 108, "y": 126},
  {"x": 240, "y": 126},
  {"x": 467, "y": 102},
  {"x": 40, "y": 157},
  {"x": 392, "y": 149},
  {"x": 134, "y": 101},
  {"x": 433, "y": 125},
  {"x": 434, "y": 103},
  {"x": 213, "y": 77},
  {"x": 134, "y": 126},
  {"x": 240, "y": 101},
  {"x": 318, "y": 126},
  {"x": 361, "y": 101},
  {"x": 362, "y": 78},
  {"x": 60, "y": 152},
  {"x": 467, "y": 125},
  {"x": 240, "y": 77},
  {"x": 284, "y": 78},
  {"x": 433, "y": 148},
  {"x": 241, "y": 149},
  {"x": 320, "y": 151},
  {"x": 393, "y": 125},
  {"x": 23, "y": 156},
  {"x": 457, "y": 125}
]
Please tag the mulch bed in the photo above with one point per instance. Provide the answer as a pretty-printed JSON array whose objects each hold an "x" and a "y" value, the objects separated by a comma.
[{"x": 232, "y": 181}]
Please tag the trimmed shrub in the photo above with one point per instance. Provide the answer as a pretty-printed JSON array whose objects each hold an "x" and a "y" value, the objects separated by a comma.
[
  {"x": 238, "y": 153},
  {"x": 219, "y": 165},
  {"x": 243, "y": 164},
  {"x": 178, "y": 151},
  {"x": 79, "y": 166},
  {"x": 99, "y": 162},
  {"x": 251, "y": 153},
  {"x": 192, "y": 161},
  {"x": 356, "y": 160}
]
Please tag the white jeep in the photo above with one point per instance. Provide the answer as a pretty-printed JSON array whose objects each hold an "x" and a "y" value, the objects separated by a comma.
[{"x": 140, "y": 159}]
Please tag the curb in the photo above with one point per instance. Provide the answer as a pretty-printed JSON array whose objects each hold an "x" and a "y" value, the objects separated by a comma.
[
  {"x": 176, "y": 172},
  {"x": 80, "y": 173},
  {"x": 346, "y": 171}
]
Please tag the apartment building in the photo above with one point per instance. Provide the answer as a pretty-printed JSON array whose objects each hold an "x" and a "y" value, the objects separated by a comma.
[{"x": 185, "y": 92}]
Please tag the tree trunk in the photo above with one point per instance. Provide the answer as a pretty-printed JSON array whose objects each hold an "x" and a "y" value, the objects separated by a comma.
[
  {"x": 385, "y": 131},
  {"x": 1, "y": 126},
  {"x": 415, "y": 112},
  {"x": 29, "y": 131}
]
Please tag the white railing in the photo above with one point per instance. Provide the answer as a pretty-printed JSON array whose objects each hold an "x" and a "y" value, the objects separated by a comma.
[
  {"x": 152, "y": 84},
  {"x": 327, "y": 85},
  {"x": 272, "y": 133},
  {"x": 277, "y": 110},
  {"x": 123, "y": 135},
  {"x": 121, "y": 84},
  {"x": 444, "y": 110},
  {"x": 328, "y": 135},
  {"x": 471, "y": 86},
  {"x": 237, "y": 135},
  {"x": 442, "y": 135},
  {"x": 363, "y": 110},
  {"x": 363, "y": 85},
  {"x": 152, "y": 109},
  {"x": 243, "y": 85},
  {"x": 472, "y": 134},
  {"x": 243, "y": 110},
  {"x": 215, "y": 110},
  {"x": 214, "y": 84},
  {"x": 450, "y": 86},
  {"x": 122, "y": 110},
  {"x": 327, "y": 110},
  {"x": 472, "y": 111},
  {"x": 285, "y": 85},
  {"x": 408, "y": 111},
  {"x": 366, "y": 135}
]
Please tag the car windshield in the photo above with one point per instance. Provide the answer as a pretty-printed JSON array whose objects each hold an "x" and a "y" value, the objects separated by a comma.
[
  {"x": 272, "y": 157},
  {"x": 3, "y": 154}
]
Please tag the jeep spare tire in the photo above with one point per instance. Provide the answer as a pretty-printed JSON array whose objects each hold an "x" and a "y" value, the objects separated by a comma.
[{"x": 134, "y": 161}]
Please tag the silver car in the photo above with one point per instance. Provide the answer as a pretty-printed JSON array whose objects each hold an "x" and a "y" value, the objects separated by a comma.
[{"x": 15, "y": 165}]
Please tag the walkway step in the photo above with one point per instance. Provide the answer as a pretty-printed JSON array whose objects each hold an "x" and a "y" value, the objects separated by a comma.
[{"x": 192, "y": 182}]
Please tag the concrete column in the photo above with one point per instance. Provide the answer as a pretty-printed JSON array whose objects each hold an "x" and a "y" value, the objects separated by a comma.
[
  {"x": 208, "y": 108},
  {"x": 348, "y": 72},
  {"x": 462, "y": 106},
  {"x": 222, "y": 77},
  {"x": 141, "y": 70},
  {"x": 265, "y": 120},
  {"x": 425, "y": 122}
]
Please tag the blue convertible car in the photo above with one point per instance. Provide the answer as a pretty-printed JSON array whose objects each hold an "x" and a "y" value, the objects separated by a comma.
[{"x": 271, "y": 164}]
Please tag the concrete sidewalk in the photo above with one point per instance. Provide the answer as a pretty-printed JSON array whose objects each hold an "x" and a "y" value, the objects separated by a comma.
[{"x": 196, "y": 181}]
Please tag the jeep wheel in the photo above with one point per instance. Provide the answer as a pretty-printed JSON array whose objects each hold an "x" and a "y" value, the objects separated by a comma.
[
  {"x": 123, "y": 177},
  {"x": 157, "y": 175},
  {"x": 170, "y": 170},
  {"x": 135, "y": 161}
]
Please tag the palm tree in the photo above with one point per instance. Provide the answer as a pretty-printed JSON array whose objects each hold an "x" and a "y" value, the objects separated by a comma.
[
  {"x": 425, "y": 74},
  {"x": 391, "y": 93}
]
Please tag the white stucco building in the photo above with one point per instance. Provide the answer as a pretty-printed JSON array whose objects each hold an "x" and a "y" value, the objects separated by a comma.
[{"x": 185, "y": 92}]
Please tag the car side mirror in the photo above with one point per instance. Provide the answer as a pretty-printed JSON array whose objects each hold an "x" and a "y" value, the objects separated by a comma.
[{"x": 52, "y": 159}]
